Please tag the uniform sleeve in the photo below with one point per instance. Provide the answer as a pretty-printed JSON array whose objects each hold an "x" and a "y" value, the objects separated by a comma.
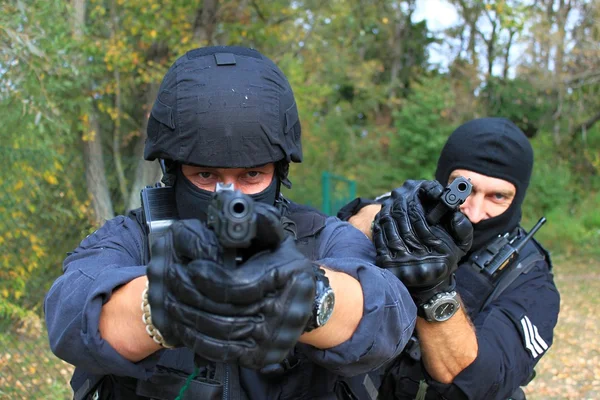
[
  {"x": 389, "y": 313},
  {"x": 105, "y": 260},
  {"x": 513, "y": 333}
]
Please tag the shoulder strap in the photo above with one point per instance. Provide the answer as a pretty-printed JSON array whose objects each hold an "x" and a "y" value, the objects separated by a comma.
[
  {"x": 532, "y": 253},
  {"x": 305, "y": 223}
]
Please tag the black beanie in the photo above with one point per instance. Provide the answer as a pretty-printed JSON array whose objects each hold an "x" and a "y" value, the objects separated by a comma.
[{"x": 494, "y": 147}]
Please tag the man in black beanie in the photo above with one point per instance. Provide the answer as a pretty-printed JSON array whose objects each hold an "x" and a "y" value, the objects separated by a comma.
[{"x": 480, "y": 332}]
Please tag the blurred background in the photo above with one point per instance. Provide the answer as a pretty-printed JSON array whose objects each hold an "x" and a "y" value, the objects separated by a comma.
[{"x": 380, "y": 85}]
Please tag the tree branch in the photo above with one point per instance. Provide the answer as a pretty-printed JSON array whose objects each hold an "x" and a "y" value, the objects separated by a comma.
[{"x": 585, "y": 125}]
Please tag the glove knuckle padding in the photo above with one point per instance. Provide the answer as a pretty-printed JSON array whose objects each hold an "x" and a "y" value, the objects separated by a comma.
[
  {"x": 425, "y": 274},
  {"x": 193, "y": 240}
]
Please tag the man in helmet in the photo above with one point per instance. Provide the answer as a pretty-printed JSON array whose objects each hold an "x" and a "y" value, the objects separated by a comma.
[
  {"x": 481, "y": 329},
  {"x": 304, "y": 307}
]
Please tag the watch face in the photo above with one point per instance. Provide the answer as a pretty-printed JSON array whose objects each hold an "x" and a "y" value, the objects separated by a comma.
[
  {"x": 326, "y": 303},
  {"x": 444, "y": 311},
  {"x": 442, "y": 307}
]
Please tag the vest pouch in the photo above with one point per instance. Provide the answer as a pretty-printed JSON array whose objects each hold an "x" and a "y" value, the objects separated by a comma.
[{"x": 166, "y": 384}]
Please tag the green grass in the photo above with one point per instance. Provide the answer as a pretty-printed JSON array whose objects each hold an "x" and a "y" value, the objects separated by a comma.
[
  {"x": 29, "y": 370},
  {"x": 571, "y": 368}
]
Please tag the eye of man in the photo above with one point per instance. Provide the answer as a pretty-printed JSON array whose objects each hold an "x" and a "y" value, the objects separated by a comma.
[{"x": 205, "y": 174}]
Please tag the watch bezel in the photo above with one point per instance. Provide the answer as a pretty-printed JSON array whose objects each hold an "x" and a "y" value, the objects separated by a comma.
[{"x": 322, "y": 315}]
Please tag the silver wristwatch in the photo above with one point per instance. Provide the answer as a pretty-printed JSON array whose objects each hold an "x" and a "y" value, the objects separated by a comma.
[
  {"x": 441, "y": 307},
  {"x": 324, "y": 301}
]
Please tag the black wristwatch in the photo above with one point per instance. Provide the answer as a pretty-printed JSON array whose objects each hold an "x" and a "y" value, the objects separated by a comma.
[
  {"x": 441, "y": 307},
  {"x": 324, "y": 301}
]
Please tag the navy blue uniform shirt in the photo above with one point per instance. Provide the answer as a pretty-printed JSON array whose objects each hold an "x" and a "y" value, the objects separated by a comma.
[
  {"x": 513, "y": 332},
  {"x": 112, "y": 256}
]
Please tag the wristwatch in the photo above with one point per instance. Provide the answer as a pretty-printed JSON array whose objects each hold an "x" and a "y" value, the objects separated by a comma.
[
  {"x": 441, "y": 307},
  {"x": 324, "y": 301}
]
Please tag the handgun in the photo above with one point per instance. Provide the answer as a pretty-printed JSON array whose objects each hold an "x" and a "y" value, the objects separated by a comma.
[
  {"x": 452, "y": 197},
  {"x": 231, "y": 215}
]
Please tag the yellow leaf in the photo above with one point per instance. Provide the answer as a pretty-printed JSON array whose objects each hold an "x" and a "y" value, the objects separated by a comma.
[
  {"x": 153, "y": 34},
  {"x": 385, "y": 20},
  {"x": 19, "y": 185},
  {"x": 51, "y": 179}
]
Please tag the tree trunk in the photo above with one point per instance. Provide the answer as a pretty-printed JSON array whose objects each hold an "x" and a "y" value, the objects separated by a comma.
[
  {"x": 561, "y": 20},
  {"x": 146, "y": 172},
  {"x": 396, "y": 43},
  {"x": 95, "y": 175},
  {"x": 511, "y": 35},
  {"x": 116, "y": 140},
  {"x": 204, "y": 26},
  {"x": 95, "y": 172}
]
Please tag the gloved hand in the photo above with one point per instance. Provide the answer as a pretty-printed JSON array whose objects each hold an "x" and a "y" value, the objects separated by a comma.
[
  {"x": 185, "y": 240},
  {"x": 423, "y": 257},
  {"x": 252, "y": 315}
]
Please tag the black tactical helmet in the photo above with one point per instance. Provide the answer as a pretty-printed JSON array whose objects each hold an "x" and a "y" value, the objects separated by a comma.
[{"x": 226, "y": 107}]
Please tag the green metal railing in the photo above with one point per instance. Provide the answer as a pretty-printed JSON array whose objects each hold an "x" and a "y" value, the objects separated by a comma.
[{"x": 337, "y": 192}]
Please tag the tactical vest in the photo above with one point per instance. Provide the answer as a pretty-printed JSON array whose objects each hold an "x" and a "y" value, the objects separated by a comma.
[
  {"x": 401, "y": 380},
  {"x": 215, "y": 381}
]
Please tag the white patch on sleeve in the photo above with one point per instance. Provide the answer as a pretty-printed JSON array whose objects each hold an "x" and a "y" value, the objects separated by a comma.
[{"x": 533, "y": 341}]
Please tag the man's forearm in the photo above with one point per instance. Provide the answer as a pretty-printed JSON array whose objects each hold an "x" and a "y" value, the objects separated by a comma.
[
  {"x": 447, "y": 347},
  {"x": 346, "y": 316},
  {"x": 364, "y": 219},
  {"x": 121, "y": 322}
]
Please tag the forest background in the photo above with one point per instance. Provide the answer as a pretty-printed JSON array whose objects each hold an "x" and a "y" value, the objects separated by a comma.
[{"x": 378, "y": 91}]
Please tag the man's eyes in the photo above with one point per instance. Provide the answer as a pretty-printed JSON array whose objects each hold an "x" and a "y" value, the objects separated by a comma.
[
  {"x": 500, "y": 196},
  {"x": 247, "y": 175},
  {"x": 205, "y": 174}
]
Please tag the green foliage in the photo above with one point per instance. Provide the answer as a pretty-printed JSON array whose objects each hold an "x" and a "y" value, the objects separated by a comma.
[
  {"x": 571, "y": 209},
  {"x": 518, "y": 100},
  {"x": 422, "y": 126},
  {"x": 372, "y": 108}
]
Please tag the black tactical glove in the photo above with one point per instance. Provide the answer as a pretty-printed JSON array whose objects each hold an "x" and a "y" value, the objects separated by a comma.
[
  {"x": 185, "y": 240},
  {"x": 252, "y": 315},
  {"x": 423, "y": 257}
]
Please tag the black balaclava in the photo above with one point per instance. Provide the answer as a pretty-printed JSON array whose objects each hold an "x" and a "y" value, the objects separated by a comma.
[
  {"x": 494, "y": 147},
  {"x": 192, "y": 202}
]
